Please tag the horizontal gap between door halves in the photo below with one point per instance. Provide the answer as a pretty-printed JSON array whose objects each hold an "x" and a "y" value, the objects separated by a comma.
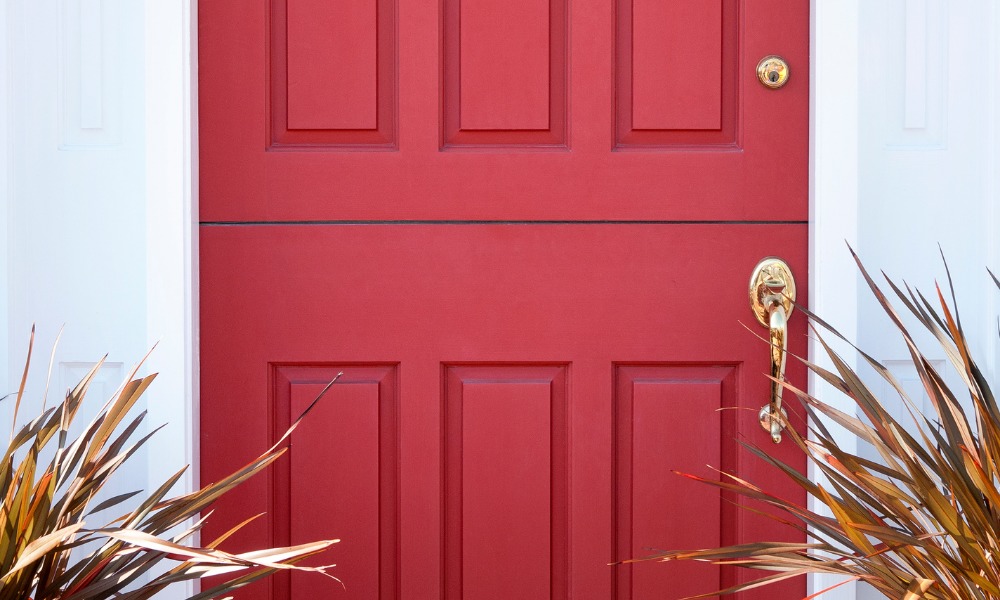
[{"x": 489, "y": 222}]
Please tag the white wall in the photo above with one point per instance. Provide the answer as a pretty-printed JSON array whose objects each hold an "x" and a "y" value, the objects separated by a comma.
[
  {"x": 96, "y": 189},
  {"x": 928, "y": 171},
  {"x": 76, "y": 247},
  {"x": 928, "y": 149},
  {"x": 76, "y": 210}
]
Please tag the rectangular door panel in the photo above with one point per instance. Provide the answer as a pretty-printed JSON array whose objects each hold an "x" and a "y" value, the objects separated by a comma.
[
  {"x": 504, "y": 74},
  {"x": 671, "y": 418},
  {"x": 505, "y": 481},
  {"x": 332, "y": 75},
  {"x": 339, "y": 481},
  {"x": 676, "y": 73}
]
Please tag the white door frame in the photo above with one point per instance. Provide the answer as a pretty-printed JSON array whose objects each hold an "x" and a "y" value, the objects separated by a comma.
[
  {"x": 172, "y": 163},
  {"x": 833, "y": 203},
  {"x": 172, "y": 224}
]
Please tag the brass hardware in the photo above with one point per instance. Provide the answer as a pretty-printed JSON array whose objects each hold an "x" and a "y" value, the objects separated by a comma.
[
  {"x": 772, "y": 71},
  {"x": 772, "y": 293}
]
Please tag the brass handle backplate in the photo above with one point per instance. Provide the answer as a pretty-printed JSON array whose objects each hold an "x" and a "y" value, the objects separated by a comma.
[
  {"x": 772, "y": 296},
  {"x": 772, "y": 71}
]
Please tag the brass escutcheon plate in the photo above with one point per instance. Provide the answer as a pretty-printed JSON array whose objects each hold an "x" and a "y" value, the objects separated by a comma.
[{"x": 771, "y": 282}]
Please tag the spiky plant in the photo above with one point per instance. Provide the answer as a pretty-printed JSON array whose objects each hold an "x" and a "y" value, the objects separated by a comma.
[
  {"x": 923, "y": 522},
  {"x": 51, "y": 546}
]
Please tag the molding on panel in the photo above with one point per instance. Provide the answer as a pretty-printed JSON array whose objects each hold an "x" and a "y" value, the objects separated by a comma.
[
  {"x": 90, "y": 72},
  {"x": 531, "y": 136},
  {"x": 106, "y": 383},
  {"x": 629, "y": 136},
  {"x": 918, "y": 75},
  {"x": 719, "y": 381},
  {"x": 91, "y": 64},
  {"x": 461, "y": 380},
  {"x": 915, "y": 70},
  {"x": 384, "y": 378},
  {"x": 906, "y": 374},
  {"x": 284, "y": 135},
  {"x": 103, "y": 386}
]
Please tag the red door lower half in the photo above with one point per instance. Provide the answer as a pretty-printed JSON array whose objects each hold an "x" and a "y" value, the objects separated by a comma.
[
  {"x": 524, "y": 231},
  {"x": 514, "y": 401}
]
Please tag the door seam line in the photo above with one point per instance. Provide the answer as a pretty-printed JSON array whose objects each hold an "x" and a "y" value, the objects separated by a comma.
[{"x": 490, "y": 222}]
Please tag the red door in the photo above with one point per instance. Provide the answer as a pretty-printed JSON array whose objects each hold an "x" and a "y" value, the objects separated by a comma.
[{"x": 524, "y": 230}]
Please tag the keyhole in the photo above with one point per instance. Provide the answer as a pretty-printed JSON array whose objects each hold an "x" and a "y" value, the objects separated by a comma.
[{"x": 773, "y": 76}]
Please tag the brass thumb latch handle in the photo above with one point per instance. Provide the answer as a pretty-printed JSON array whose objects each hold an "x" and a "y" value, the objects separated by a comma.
[{"x": 772, "y": 296}]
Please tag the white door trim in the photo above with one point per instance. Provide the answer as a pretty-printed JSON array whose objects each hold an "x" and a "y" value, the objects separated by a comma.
[
  {"x": 833, "y": 201},
  {"x": 171, "y": 97},
  {"x": 171, "y": 214},
  {"x": 6, "y": 172}
]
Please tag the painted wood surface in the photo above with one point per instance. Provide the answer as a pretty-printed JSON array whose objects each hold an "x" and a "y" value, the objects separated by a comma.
[
  {"x": 496, "y": 111},
  {"x": 539, "y": 249},
  {"x": 527, "y": 389}
]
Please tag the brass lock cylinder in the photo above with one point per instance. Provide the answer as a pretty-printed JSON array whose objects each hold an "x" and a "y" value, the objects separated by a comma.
[{"x": 772, "y": 71}]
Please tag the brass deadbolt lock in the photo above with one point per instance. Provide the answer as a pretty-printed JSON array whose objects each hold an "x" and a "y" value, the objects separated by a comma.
[{"x": 772, "y": 71}]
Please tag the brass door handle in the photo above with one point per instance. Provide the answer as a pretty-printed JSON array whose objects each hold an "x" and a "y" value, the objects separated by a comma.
[{"x": 772, "y": 296}]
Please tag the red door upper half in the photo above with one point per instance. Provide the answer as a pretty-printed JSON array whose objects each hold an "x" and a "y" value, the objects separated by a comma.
[
  {"x": 501, "y": 110},
  {"x": 524, "y": 230}
]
